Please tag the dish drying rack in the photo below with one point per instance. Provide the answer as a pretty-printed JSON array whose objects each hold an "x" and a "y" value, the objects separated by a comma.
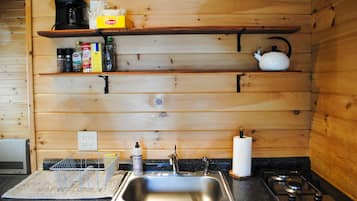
[{"x": 83, "y": 174}]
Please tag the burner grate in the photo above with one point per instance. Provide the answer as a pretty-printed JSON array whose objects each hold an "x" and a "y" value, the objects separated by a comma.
[{"x": 291, "y": 186}]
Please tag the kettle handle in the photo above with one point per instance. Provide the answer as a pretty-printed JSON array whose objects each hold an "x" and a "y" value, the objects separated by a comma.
[{"x": 286, "y": 41}]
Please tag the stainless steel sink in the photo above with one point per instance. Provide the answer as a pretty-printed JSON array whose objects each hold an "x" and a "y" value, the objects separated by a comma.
[{"x": 164, "y": 186}]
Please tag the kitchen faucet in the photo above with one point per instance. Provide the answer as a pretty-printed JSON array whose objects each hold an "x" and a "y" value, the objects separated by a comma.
[
  {"x": 174, "y": 162},
  {"x": 206, "y": 164}
]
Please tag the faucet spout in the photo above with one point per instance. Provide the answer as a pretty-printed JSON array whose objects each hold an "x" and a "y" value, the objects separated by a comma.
[
  {"x": 174, "y": 162},
  {"x": 206, "y": 165}
]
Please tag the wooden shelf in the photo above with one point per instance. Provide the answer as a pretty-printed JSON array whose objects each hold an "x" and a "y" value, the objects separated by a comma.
[
  {"x": 151, "y": 72},
  {"x": 106, "y": 75},
  {"x": 158, "y": 72},
  {"x": 172, "y": 30}
]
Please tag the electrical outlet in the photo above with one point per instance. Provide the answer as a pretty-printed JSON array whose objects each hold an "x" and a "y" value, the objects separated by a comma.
[{"x": 87, "y": 141}]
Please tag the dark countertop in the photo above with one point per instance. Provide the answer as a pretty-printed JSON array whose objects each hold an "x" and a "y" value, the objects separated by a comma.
[
  {"x": 9, "y": 181},
  {"x": 248, "y": 189}
]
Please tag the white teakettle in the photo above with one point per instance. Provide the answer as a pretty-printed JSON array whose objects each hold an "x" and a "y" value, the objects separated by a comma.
[{"x": 274, "y": 60}]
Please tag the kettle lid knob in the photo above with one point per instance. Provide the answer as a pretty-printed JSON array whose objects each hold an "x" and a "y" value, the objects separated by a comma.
[{"x": 274, "y": 48}]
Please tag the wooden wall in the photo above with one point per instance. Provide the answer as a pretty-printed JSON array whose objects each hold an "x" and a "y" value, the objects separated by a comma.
[
  {"x": 13, "y": 82},
  {"x": 333, "y": 144},
  {"x": 201, "y": 112}
]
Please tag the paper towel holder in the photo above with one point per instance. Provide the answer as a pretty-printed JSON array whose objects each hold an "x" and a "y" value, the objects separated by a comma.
[
  {"x": 231, "y": 172},
  {"x": 234, "y": 176}
]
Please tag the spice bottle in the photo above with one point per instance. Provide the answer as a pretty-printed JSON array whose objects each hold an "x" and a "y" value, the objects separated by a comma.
[
  {"x": 60, "y": 59},
  {"x": 86, "y": 57},
  {"x": 68, "y": 60}
]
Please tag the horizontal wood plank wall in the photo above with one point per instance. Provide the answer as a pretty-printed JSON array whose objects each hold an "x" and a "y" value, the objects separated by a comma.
[
  {"x": 333, "y": 144},
  {"x": 200, "y": 112},
  {"x": 13, "y": 92}
]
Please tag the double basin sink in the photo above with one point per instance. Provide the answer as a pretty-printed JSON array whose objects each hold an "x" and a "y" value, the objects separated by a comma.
[{"x": 166, "y": 186}]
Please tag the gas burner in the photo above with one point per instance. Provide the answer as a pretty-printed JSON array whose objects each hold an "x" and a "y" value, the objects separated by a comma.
[
  {"x": 280, "y": 177},
  {"x": 293, "y": 186}
]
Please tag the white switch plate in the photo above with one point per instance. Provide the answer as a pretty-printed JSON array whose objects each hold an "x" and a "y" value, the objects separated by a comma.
[{"x": 87, "y": 141}]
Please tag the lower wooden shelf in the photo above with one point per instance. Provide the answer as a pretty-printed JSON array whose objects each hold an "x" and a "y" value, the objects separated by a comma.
[{"x": 152, "y": 72}]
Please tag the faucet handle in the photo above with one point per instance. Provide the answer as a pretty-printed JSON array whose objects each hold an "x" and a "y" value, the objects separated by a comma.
[{"x": 171, "y": 158}]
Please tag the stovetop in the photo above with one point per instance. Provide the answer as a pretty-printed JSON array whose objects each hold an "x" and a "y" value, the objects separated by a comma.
[{"x": 292, "y": 186}]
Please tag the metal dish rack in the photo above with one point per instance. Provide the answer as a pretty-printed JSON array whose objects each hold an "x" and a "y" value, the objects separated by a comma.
[{"x": 83, "y": 174}]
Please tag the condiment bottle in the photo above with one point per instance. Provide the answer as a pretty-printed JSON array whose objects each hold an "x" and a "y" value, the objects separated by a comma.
[
  {"x": 137, "y": 160},
  {"x": 60, "y": 59},
  {"x": 68, "y": 60}
]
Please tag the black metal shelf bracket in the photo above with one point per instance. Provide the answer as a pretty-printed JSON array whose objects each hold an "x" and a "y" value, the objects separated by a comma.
[
  {"x": 239, "y": 44},
  {"x": 239, "y": 78},
  {"x": 106, "y": 80}
]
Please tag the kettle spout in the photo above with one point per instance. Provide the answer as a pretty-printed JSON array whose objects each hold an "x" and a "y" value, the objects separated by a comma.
[{"x": 257, "y": 55}]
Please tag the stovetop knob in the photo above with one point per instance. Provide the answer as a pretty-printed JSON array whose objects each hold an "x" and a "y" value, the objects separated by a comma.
[
  {"x": 318, "y": 196},
  {"x": 292, "y": 197}
]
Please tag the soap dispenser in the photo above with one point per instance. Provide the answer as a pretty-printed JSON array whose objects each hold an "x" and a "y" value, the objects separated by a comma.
[{"x": 137, "y": 160}]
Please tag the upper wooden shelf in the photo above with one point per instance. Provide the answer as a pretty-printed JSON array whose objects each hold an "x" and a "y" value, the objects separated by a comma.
[{"x": 172, "y": 30}]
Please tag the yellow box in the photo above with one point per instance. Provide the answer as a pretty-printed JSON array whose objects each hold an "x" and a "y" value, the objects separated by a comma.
[
  {"x": 107, "y": 22},
  {"x": 96, "y": 57}
]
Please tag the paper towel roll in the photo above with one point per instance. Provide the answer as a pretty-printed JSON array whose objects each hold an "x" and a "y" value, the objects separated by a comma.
[{"x": 242, "y": 156}]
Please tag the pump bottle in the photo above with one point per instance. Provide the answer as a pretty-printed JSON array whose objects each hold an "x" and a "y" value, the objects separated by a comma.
[{"x": 137, "y": 160}]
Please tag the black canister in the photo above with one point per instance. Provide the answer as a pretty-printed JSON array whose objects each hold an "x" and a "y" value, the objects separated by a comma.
[{"x": 68, "y": 60}]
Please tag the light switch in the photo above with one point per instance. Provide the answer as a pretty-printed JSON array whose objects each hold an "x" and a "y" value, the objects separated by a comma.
[{"x": 87, "y": 141}]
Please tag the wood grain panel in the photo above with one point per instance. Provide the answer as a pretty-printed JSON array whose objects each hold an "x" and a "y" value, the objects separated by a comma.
[
  {"x": 172, "y": 121},
  {"x": 173, "y": 44},
  {"x": 183, "y": 61},
  {"x": 335, "y": 82},
  {"x": 339, "y": 52},
  {"x": 175, "y": 83},
  {"x": 166, "y": 140},
  {"x": 323, "y": 150},
  {"x": 275, "y": 82},
  {"x": 13, "y": 131},
  {"x": 200, "y": 108},
  {"x": 12, "y": 91},
  {"x": 333, "y": 140},
  {"x": 13, "y": 98},
  {"x": 18, "y": 99},
  {"x": 341, "y": 106},
  {"x": 194, "y": 7},
  {"x": 321, "y": 4},
  {"x": 335, "y": 22},
  {"x": 157, "y": 20},
  {"x": 173, "y": 102},
  {"x": 332, "y": 127},
  {"x": 187, "y": 153}
]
